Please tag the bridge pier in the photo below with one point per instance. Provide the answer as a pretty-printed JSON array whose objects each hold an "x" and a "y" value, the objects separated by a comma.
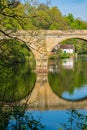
[
  {"x": 42, "y": 65},
  {"x": 41, "y": 58}
]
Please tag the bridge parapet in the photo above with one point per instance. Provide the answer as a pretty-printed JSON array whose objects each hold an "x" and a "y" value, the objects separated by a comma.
[{"x": 63, "y": 32}]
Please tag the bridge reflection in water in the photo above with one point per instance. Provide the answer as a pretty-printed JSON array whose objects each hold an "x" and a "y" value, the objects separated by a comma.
[{"x": 43, "y": 98}]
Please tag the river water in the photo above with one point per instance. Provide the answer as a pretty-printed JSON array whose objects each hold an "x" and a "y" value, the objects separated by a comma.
[{"x": 53, "y": 96}]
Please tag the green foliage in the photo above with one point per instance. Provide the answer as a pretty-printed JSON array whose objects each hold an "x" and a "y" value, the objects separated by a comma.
[
  {"x": 16, "y": 15},
  {"x": 24, "y": 121},
  {"x": 79, "y": 44},
  {"x": 21, "y": 120},
  {"x": 67, "y": 80},
  {"x": 13, "y": 51},
  {"x": 64, "y": 55},
  {"x": 10, "y": 52},
  {"x": 4, "y": 118},
  {"x": 15, "y": 80},
  {"x": 76, "y": 120},
  {"x": 73, "y": 23}
]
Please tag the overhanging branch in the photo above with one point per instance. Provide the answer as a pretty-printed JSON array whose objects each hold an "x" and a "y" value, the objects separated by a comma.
[{"x": 14, "y": 37}]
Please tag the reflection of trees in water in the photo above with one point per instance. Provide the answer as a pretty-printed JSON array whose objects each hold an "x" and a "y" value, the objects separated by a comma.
[
  {"x": 68, "y": 80},
  {"x": 76, "y": 121},
  {"x": 16, "y": 82}
]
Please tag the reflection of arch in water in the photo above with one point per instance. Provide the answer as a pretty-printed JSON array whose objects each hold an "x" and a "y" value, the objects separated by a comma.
[
  {"x": 42, "y": 97},
  {"x": 18, "y": 82},
  {"x": 64, "y": 82}
]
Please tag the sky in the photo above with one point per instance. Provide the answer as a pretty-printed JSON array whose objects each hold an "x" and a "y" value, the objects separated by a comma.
[{"x": 77, "y": 7}]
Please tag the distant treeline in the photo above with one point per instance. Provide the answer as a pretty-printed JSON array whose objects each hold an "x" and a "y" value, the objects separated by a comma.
[
  {"x": 29, "y": 17},
  {"x": 51, "y": 18}
]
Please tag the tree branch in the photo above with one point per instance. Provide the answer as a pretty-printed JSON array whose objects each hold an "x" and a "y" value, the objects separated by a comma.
[{"x": 12, "y": 37}]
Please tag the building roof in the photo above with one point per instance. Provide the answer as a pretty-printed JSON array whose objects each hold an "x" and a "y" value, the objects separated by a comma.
[{"x": 67, "y": 46}]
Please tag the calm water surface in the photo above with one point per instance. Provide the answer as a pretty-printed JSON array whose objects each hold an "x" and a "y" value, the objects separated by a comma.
[
  {"x": 56, "y": 119},
  {"x": 67, "y": 79}
]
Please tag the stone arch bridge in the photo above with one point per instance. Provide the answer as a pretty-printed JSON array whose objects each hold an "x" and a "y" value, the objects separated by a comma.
[{"x": 42, "y": 42}]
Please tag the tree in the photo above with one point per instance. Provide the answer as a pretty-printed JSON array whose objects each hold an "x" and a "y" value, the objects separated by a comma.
[
  {"x": 20, "y": 119},
  {"x": 56, "y": 20}
]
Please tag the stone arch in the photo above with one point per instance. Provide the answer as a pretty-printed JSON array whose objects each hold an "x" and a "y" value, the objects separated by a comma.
[
  {"x": 42, "y": 42},
  {"x": 34, "y": 41},
  {"x": 58, "y": 40},
  {"x": 55, "y": 40}
]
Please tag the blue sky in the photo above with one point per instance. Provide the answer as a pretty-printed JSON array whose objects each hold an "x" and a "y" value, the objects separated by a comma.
[{"x": 77, "y": 7}]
